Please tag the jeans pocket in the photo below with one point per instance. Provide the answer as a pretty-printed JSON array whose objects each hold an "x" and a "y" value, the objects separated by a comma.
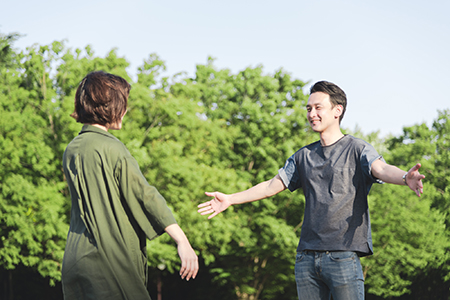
[
  {"x": 299, "y": 257},
  {"x": 342, "y": 256}
]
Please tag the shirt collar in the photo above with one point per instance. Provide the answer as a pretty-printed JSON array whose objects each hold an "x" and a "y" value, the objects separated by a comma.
[{"x": 90, "y": 128}]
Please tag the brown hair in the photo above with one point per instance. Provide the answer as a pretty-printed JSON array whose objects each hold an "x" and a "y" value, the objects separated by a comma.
[
  {"x": 101, "y": 98},
  {"x": 337, "y": 95}
]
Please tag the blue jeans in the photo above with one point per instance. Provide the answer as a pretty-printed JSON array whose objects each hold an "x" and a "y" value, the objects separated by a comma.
[{"x": 321, "y": 274}]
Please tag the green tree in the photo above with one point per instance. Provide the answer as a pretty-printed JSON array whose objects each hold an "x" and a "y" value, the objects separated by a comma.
[
  {"x": 267, "y": 117},
  {"x": 33, "y": 225},
  {"x": 8, "y": 57},
  {"x": 409, "y": 237},
  {"x": 410, "y": 234}
]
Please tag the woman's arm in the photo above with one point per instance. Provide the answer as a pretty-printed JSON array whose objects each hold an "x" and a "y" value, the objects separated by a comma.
[{"x": 189, "y": 260}]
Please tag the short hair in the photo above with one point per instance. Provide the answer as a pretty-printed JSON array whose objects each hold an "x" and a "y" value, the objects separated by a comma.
[
  {"x": 101, "y": 98},
  {"x": 337, "y": 95}
]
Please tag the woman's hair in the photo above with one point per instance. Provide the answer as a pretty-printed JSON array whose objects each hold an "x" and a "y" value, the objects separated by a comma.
[
  {"x": 337, "y": 95},
  {"x": 101, "y": 98}
]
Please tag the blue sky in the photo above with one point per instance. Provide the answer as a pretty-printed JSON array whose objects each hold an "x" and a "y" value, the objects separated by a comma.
[{"x": 390, "y": 57}]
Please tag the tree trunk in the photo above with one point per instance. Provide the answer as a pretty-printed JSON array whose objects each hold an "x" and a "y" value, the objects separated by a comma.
[
  {"x": 159, "y": 287},
  {"x": 10, "y": 287}
]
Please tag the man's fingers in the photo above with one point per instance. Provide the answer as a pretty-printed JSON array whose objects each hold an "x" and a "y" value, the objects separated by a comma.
[
  {"x": 416, "y": 167},
  {"x": 209, "y": 211},
  {"x": 205, "y": 209},
  {"x": 419, "y": 192},
  {"x": 204, "y": 204},
  {"x": 213, "y": 215}
]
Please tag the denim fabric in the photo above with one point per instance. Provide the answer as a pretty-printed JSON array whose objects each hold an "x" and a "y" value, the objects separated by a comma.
[{"x": 321, "y": 274}]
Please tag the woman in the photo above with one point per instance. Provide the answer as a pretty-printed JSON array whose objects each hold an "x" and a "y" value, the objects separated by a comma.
[{"x": 114, "y": 209}]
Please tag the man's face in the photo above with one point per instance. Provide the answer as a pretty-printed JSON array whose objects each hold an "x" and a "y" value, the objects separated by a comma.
[{"x": 320, "y": 112}]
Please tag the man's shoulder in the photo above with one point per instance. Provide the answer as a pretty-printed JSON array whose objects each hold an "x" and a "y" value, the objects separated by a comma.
[
  {"x": 310, "y": 147},
  {"x": 357, "y": 141},
  {"x": 305, "y": 151}
]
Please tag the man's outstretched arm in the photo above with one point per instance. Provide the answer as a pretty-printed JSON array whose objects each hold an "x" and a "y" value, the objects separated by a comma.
[
  {"x": 222, "y": 201},
  {"x": 392, "y": 174}
]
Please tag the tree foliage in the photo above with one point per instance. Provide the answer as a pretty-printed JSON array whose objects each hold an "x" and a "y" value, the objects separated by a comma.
[
  {"x": 412, "y": 233},
  {"x": 212, "y": 131},
  {"x": 33, "y": 223}
]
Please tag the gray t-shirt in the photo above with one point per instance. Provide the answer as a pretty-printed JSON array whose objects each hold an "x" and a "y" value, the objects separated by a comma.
[{"x": 336, "y": 180}]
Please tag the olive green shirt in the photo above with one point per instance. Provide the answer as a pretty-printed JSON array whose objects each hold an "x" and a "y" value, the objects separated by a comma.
[{"x": 114, "y": 210}]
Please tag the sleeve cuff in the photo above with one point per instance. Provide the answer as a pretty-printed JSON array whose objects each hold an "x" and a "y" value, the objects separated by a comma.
[{"x": 284, "y": 178}]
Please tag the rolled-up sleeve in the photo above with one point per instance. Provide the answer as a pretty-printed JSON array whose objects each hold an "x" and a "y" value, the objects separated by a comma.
[
  {"x": 289, "y": 174},
  {"x": 368, "y": 156}
]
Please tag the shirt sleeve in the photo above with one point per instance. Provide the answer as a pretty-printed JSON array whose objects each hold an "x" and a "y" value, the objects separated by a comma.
[
  {"x": 368, "y": 156},
  {"x": 289, "y": 174},
  {"x": 145, "y": 203}
]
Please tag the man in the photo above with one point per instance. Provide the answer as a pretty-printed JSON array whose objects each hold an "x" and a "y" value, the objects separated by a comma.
[
  {"x": 336, "y": 174},
  {"x": 114, "y": 209}
]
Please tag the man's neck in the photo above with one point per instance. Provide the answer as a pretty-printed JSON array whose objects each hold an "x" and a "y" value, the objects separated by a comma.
[
  {"x": 328, "y": 138},
  {"x": 100, "y": 126}
]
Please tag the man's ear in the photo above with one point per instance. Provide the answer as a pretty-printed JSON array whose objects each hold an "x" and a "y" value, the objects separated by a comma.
[{"x": 338, "y": 111}]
